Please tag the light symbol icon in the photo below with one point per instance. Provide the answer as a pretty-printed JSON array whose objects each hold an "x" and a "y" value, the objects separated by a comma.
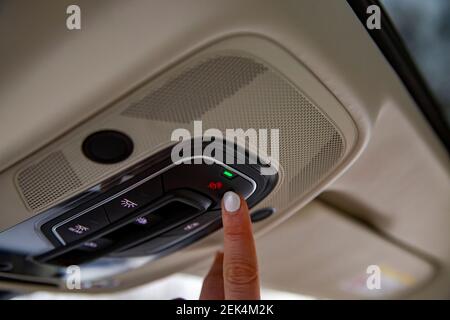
[
  {"x": 191, "y": 226},
  {"x": 142, "y": 220},
  {"x": 128, "y": 204}
]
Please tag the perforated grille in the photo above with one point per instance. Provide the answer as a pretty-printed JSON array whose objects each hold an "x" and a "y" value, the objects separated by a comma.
[
  {"x": 310, "y": 145},
  {"x": 225, "y": 92},
  {"x": 47, "y": 180},
  {"x": 320, "y": 163},
  {"x": 195, "y": 91}
]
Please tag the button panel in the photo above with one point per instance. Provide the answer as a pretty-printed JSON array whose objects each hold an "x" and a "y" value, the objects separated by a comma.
[
  {"x": 174, "y": 207},
  {"x": 210, "y": 180}
]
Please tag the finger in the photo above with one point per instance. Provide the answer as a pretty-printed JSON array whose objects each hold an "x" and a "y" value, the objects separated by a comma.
[
  {"x": 212, "y": 288},
  {"x": 240, "y": 268}
]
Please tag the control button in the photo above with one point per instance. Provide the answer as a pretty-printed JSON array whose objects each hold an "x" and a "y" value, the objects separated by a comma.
[
  {"x": 134, "y": 199},
  {"x": 261, "y": 214},
  {"x": 206, "y": 179},
  {"x": 172, "y": 213},
  {"x": 148, "y": 221},
  {"x": 142, "y": 221},
  {"x": 215, "y": 185},
  {"x": 95, "y": 245},
  {"x": 191, "y": 226},
  {"x": 83, "y": 225},
  {"x": 173, "y": 236},
  {"x": 134, "y": 231},
  {"x": 194, "y": 225}
]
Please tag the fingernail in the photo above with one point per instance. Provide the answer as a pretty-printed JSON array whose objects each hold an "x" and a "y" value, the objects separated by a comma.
[{"x": 231, "y": 201}]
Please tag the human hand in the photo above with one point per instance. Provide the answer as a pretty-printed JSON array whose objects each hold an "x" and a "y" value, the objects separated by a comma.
[{"x": 234, "y": 273}]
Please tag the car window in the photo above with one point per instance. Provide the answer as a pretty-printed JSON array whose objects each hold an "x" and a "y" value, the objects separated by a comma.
[{"x": 425, "y": 29}]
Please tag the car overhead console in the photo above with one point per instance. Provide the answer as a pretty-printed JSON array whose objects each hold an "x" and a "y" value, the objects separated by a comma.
[{"x": 154, "y": 208}]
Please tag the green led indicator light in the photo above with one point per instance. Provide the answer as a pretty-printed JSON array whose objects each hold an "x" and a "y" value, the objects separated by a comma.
[{"x": 228, "y": 174}]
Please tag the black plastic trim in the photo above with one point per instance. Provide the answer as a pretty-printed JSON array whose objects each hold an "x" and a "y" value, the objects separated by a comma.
[
  {"x": 263, "y": 185},
  {"x": 64, "y": 252}
]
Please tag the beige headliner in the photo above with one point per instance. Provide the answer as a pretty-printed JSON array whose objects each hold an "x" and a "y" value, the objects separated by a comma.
[{"x": 52, "y": 79}]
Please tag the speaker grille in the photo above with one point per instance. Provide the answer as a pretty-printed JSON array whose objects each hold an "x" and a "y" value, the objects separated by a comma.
[
  {"x": 197, "y": 90},
  {"x": 224, "y": 91},
  {"x": 320, "y": 163},
  {"x": 47, "y": 180}
]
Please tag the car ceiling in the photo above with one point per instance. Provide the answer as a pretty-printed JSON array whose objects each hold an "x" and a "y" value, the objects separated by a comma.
[{"x": 389, "y": 206}]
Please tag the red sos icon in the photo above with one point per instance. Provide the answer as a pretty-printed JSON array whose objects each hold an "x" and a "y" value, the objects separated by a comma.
[{"x": 215, "y": 185}]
